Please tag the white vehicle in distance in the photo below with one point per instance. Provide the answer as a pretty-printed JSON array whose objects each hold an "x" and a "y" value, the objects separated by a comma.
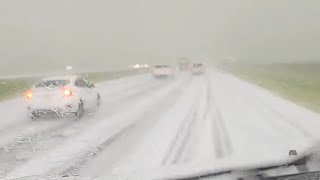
[
  {"x": 61, "y": 96},
  {"x": 163, "y": 71},
  {"x": 198, "y": 68}
]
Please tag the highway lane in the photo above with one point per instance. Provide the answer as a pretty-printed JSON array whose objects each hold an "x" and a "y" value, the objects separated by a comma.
[
  {"x": 109, "y": 115},
  {"x": 222, "y": 123},
  {"x": 22, "y": 138},
  {"x": 162, "y": 128}
]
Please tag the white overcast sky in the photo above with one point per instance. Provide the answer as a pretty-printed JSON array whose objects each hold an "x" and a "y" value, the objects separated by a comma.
[{"x": 37, "y": 35}]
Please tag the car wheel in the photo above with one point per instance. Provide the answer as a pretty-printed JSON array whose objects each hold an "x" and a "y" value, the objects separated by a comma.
[
  {"x": 80, "y": 111},
  {"x": 98, "y": 100}
]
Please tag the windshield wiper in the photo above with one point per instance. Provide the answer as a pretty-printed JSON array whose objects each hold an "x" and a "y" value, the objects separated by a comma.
[
  {"x": 311, "y": 175},
  {"x": 255, "y": 173}
]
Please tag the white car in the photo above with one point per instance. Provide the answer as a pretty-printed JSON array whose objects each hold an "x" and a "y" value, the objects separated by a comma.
[
  {"x": 198, "y": 68},
  {"x": 162, "y": 71},
  {"x": 61, "y": 96}
]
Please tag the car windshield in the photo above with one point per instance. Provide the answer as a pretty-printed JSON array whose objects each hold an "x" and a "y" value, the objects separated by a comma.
[
  {"x": 158, "y": 89},
  {"x": 52, "y": 83}
]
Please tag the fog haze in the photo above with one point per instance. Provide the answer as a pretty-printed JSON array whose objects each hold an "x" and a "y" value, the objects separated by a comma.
[{"x": 40, "y": 35}]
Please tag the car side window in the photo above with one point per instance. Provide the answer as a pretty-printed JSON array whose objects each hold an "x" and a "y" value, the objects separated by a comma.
[{"x": 80, "y": 83}]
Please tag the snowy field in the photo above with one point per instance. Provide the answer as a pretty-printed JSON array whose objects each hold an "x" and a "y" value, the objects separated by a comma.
[{"x": 159, "y": 129}]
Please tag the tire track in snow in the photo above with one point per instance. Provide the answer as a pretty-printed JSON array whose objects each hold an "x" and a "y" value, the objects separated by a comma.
[
  {"x": 184, "y": 139},
  {"x": 171, "y": 156},
  {"x": 191, "y": 149},
  {"x": 151, "y": 149},
  {"x": 181, "y": 150},
  {"x": 97, "y": 151},
  {"x": 21, "y": 147},
  {"x": 208, "y": 97},
  {"x": 34, "y": 144},
  {"x": 222, "y": 141},
  {"x": 93, "y": 153}
]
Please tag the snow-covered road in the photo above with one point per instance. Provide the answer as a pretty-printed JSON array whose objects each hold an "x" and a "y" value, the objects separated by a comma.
[{"x": 159, "y": 128}]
